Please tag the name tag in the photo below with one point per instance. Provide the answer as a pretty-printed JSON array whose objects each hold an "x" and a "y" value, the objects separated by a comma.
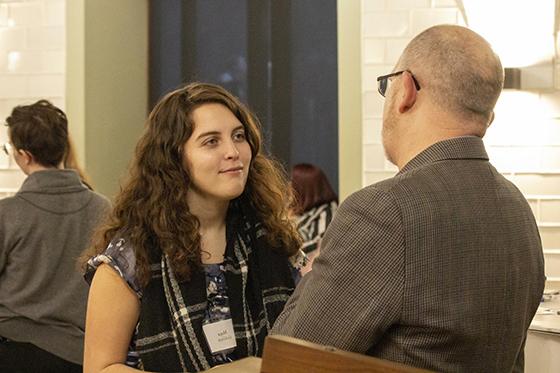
[{"x": 220, "y": 335}]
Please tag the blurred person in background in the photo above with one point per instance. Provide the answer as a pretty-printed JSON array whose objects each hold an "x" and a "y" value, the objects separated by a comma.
[
  {"x": 71, "y": 162},
  {"x": 44, "y": 228},
  {"x": 314, "y": 208}
]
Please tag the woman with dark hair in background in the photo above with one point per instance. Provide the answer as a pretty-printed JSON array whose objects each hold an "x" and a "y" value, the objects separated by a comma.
[
  {"x": 44, "y": 228},
  {"x": 315, "y": 205},
  {"x": 193, "y": 267}
]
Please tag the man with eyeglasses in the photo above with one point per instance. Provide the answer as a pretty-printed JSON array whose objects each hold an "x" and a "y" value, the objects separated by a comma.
[
  {"x": 44, "y": 227},
  {"x": 441, "y": 266}
]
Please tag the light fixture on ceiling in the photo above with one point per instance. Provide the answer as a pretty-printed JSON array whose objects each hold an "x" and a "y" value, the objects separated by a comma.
[{"x": 521, "y": 32}]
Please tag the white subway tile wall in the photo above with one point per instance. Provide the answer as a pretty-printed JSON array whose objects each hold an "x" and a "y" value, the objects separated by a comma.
[
  {"x": 551, "y": 103},
  {"x": 394, "y": 49},
  {"x": 32, "y": 66},
  {"x": 374, "y": 51},
  {"x": 538, "y": 77},
  {"x": 557, "y": 76},
  {"x": 374, "y": 157},
  {"x": 407, "y": 4},
  {"x": 550, "y": 236},
  {"x": 45, "y": 37},
  {"x": 372, "y": 131},
  {"x": 386, "y": 24},
  {"x": 550, "y": 210},
  {"x": 421, "y": 19},
  {"x": 552, "y": 262},
  {"x": 444, "y": 3},
  {"x": 11, "y": 38},
  {"x": 540, "y": 184},
  {"x": 10, "y": 179},
  {"x": 534, "y": 204},
  {"x": 4, "y": 162},
  {"x": 54, "y": 13},
  {"x": 373, "y": 6},
  {"x": 374, "y": 109},
  {"x": 524, "y": 140},
  {"x": 375, "y": 176}
]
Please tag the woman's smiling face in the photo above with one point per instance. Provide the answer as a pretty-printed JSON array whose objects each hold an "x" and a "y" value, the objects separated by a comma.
[{"x": 217, "y": 155}]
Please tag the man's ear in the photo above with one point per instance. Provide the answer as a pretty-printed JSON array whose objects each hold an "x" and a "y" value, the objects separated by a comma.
[
  {"x": 408, "y": 97},
  {"x": 25, "y": 156},
  {"x": 491, "y": 119}
]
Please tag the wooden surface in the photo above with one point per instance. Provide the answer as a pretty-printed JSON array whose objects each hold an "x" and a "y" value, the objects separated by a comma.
[{"x": 290, "y": 355}]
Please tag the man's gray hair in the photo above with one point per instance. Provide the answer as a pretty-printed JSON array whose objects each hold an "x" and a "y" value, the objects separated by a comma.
[{"x": 458, "y": 68}]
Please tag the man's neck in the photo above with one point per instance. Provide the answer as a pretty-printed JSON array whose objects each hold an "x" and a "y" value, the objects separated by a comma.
[
  {"x": 427, "y": 135},
  {"x": 34, "y": 167}
]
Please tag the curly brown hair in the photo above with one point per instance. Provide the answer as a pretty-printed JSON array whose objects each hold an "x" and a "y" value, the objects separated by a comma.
[{"x": 149, "y": 207}]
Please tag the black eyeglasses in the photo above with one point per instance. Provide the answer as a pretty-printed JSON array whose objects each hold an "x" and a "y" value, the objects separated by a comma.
[
  {"x": 384, "y": 79},
  {"x": 7, "y": 147}
]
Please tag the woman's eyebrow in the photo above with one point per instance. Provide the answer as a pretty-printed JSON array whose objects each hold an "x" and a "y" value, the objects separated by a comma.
[{"x": 204, "y": 134}]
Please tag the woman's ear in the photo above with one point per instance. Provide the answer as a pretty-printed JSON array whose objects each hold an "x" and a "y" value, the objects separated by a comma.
[{"x": 408, "y": 96}]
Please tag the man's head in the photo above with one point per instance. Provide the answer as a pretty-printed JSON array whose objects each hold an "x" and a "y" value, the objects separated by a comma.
[
  {"x": 449, "y": 87},
  {"x": 39, "y": 135}
]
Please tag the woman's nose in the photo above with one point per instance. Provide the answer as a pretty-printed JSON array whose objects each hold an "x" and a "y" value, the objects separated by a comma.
[{"x": 232, "y": 152}]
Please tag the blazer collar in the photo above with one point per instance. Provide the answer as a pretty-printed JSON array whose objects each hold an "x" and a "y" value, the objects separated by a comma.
[{"x": 466, "y": 147}]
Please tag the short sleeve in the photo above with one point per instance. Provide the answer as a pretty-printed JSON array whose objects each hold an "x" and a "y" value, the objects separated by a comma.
[{"x": 120, "y": 256}]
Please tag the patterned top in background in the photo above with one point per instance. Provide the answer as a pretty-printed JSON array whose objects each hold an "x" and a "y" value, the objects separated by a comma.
[
  {"x": 313, "y": 223},
  {"x": 121, "y": 258}
]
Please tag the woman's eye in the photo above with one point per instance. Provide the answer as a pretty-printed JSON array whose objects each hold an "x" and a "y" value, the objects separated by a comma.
[
  {"x": 211, "y": 141},
  {"x": 240, "y": 136}
]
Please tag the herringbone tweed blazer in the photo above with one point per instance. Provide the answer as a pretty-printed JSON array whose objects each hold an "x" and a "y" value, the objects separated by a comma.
[{"x": 439, "y": 267}]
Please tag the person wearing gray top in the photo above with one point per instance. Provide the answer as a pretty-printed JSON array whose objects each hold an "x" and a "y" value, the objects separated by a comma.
[
  {"x": 441, "y": 266},
  {"x": 44, "y": 228}
]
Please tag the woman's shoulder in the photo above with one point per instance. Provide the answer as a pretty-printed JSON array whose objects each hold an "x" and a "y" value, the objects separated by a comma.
[{"x": 121, "y": 257}]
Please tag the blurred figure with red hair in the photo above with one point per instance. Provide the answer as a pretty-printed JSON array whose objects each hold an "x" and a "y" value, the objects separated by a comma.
[{"x": 315, "y": 205}]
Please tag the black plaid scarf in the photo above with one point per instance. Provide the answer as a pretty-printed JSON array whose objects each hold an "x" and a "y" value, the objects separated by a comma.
[{"x": 259, "y": 281}]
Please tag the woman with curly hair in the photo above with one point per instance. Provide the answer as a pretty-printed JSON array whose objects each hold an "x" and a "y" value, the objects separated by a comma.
[{"x": 195, "y": 262}]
